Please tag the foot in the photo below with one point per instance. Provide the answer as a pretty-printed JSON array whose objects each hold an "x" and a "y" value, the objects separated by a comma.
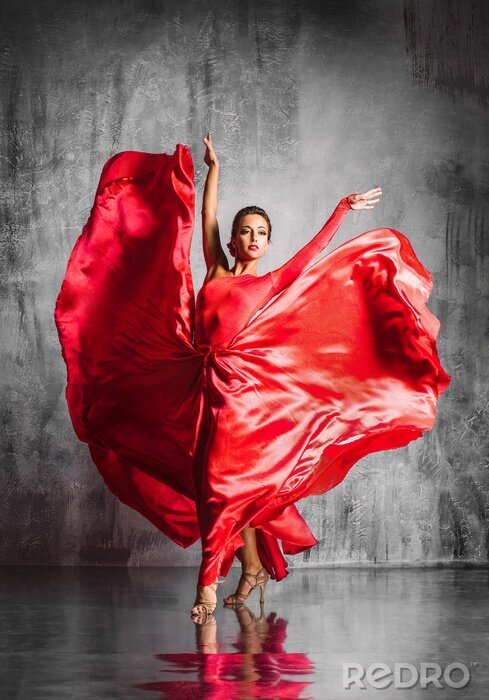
[
  {"x": 247, "y": 582},
  {"x": 206, "y": 634},
  {"x": 206, "y": 600}
]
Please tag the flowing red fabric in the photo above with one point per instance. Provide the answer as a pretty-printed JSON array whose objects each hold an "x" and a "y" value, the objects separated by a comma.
[{"x": 207, "y": 417}]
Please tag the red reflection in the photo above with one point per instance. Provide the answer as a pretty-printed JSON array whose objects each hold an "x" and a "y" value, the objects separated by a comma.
[{"x": 256, "y": 670}]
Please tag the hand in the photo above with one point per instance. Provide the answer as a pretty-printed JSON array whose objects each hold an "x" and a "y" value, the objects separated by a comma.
[
  {"x": 362, "y": 201},
  {"x": 210, "y": 157}
]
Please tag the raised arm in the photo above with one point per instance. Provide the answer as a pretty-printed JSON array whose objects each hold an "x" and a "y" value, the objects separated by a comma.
[
  {"x": 284, "y": 275},
  {"x": 213, "y": 252}
]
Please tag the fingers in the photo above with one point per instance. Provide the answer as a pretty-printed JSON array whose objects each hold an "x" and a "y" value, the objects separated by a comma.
[
  {"x": 365, "y": 201},
  {"x": 371, "y": 193},
  {"x": 365, "y": 205},
  {"x": 367, "y": 197}
]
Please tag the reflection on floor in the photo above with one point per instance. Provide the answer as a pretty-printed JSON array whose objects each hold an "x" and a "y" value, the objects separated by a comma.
[{"x": 322, "y": 633}]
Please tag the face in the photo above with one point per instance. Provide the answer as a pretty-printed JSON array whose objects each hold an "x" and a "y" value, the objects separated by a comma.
[{"x": 251, "y": 239}]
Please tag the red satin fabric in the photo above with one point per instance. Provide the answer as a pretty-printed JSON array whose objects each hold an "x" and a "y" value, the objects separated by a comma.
[{"x": 207, "y": 418}]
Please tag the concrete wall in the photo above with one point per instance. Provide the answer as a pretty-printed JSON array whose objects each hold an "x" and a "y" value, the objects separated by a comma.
[{"x": 307, "y": 101}]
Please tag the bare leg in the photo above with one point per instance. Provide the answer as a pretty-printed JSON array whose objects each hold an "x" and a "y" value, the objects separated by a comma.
[
  {"x": 249, "y": 553},
  {"x": 250, "y": 561}
]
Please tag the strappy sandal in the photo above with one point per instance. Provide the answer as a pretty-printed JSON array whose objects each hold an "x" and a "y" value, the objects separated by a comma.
[
  {"x": 203, "y": 601},
  {"x": 253, "y": 580}
]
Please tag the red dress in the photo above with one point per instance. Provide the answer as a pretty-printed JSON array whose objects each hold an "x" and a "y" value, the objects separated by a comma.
[{"x": 207, "y": 417}]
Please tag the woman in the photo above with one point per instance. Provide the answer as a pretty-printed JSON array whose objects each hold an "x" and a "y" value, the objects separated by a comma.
[
  {"x": 214, "y": 419},
  {"x": 250, "y": 238}
]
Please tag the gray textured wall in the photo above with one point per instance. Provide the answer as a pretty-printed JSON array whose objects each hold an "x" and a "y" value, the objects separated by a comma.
[{"x": 307, "y": 101}]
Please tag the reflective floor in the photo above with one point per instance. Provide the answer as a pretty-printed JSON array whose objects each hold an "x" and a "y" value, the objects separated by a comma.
[{"x": 322, "y": 633}]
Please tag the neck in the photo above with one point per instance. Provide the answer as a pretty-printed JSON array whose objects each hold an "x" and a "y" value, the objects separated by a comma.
[{"x": 241, "y": 267}]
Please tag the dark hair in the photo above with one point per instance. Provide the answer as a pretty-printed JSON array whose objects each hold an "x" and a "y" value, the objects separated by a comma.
[{"x": 252, "y": 209}]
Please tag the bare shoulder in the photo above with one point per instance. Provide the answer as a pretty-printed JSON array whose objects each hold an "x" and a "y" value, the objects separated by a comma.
[{"x": 218, "y": 270}]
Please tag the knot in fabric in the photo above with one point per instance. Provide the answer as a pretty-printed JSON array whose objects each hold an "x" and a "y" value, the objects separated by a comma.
[{"x": 207, "y": 351}]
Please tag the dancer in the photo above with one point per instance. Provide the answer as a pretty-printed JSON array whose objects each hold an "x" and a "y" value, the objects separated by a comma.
[
  {"x": 250, "y": 238},
  {"x": 213, "y": 418}
]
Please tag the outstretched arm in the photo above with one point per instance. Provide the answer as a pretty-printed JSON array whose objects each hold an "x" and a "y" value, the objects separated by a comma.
[
  {"x": 213, "y": 252},
  {"x": 284, "y": 275}
]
